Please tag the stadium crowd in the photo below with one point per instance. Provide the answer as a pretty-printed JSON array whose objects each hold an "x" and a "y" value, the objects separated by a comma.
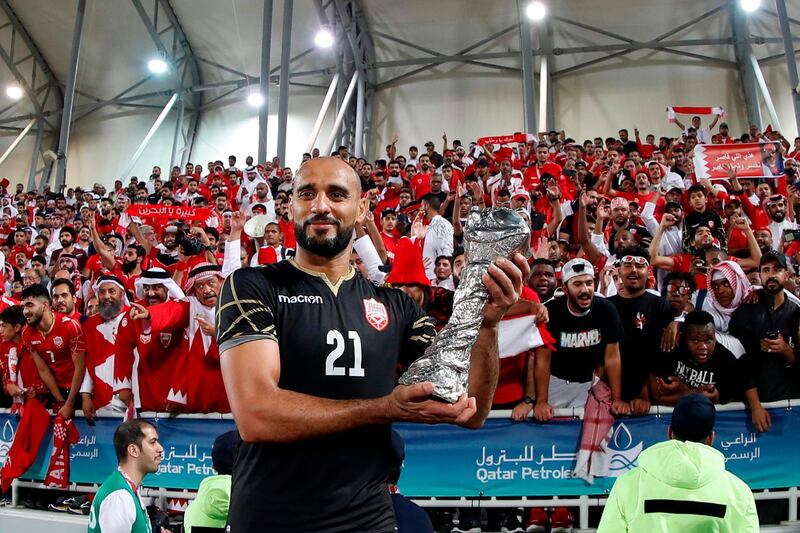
[{"x": 644, "y": 277}]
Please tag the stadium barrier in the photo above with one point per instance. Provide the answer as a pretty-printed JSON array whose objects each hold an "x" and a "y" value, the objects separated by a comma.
[{"x": 503, "y": 464}]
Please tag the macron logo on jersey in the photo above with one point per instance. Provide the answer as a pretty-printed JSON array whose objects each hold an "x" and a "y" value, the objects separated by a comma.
[{"x": 299, "y": 299}]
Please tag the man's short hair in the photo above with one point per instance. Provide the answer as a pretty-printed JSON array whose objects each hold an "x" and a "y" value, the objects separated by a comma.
[
  {"x": 696, "y": 188},
  {"x": 62, "y": 281},
  {"x": 432, "y": 200},
  {"x": 13, "y": 316},
  {"x": 127, "y": 433},
  {"x": 39, "y": 259},
  {"x": 37, "y": 290},
  {"x": 635, "y": 251},
  {"x": 447, "y": 257},
  {"x": 71, "y": 231},
  {"x": 698, "y": 318}
]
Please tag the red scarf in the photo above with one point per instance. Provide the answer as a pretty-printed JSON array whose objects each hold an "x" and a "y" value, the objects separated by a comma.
[{"x": 64, "y": 434}]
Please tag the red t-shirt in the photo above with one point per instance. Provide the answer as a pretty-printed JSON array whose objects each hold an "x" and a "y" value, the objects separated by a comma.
[
  {"x": 421, "y": 185},
  {"x": 57, "y": 347}
]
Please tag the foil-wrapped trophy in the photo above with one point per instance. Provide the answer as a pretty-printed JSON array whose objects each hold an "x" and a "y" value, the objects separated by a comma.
[{"x": 488, "y": 235}]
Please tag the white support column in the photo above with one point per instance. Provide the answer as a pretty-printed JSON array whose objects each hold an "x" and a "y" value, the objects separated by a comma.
[
  {"x": 348, "y": 95},
  {"x": 322, "y": 112},
  {"x": 359, "y": 125},
  {"x": 146, "y": 140}
]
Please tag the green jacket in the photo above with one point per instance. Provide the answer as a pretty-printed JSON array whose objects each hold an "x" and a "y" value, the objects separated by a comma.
[
  {"x": 680, "y": 486},
  {"x": 210, "y": 507},
  {"x": 116, "y": 507}
]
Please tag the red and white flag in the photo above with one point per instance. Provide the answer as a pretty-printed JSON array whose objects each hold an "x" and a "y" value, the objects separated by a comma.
[
  {"x": 516, "y": 335},
  {"x": 695, "y": 110},
  {"x": 748, "y": 159}
]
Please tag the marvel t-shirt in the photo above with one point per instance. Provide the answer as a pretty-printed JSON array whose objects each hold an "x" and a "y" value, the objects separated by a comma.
[{"x": 580, "y": 341}]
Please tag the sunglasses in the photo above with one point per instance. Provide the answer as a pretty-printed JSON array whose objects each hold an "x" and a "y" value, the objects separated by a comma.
[
  {"x": 636, "y": 259},
  {"x": 683, "y": 290}
]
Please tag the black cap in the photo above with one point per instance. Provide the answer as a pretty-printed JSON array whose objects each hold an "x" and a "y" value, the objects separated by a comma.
[
  {"x": 402, "y": 218},
  {"x": 672, "y": 205},
  {"x": 223, "y": 453},
  {"x": 771, "y": 256},
  {"x": 388, "y": 211},
  {"x": 693, "y": 418}
]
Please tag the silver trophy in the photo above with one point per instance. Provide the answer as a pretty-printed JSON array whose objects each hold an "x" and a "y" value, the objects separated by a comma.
[{"x": 488, "y": 234}]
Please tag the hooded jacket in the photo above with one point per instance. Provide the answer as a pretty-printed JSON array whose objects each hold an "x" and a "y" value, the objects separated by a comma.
[
  {"x": 210, "y": 507},
  {"x": 680, "y": 486}
]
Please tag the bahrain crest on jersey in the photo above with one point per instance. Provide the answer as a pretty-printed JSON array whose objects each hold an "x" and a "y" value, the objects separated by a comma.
[{"x": 376, "y": 313}]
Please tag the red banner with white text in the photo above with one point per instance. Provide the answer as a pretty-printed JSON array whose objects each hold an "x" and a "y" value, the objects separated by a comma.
[
  {"x": 752, "y": 160},
  {"x": 169, "y": 212}
]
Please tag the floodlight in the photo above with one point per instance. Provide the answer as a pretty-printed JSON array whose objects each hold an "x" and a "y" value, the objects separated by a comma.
[
  {"x": 536, "y": 10},
  {"x": 14, "y": 92},
  {"x": 750, "y": 5},
  {"x": 157, "y": 66},
  {"x": 255, "y": 99},
  {"x": 324, "y": 38}
]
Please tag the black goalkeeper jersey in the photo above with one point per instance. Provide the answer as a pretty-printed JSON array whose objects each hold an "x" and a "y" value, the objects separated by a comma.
[{"x": 340, "y": 341}]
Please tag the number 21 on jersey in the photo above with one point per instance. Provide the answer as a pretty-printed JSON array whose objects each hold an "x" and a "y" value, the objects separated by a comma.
[{"x": 337, "y": 340}]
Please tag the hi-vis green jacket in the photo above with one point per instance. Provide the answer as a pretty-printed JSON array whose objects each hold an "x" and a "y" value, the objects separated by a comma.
[{"x": 680, "y": 487}]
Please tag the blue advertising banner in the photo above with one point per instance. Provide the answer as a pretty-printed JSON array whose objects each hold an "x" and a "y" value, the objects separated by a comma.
[{"x": 501, "y": 459}]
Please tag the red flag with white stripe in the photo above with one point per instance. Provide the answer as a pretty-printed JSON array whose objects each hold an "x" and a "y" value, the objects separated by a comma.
[{"x": 516, "y": 335}]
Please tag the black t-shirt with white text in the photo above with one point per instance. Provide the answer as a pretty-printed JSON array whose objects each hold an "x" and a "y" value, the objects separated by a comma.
[
  {"x": 722, "y": 370},
  {"x": 340, "y": 342},
  {"x": 580, "y": 341}
]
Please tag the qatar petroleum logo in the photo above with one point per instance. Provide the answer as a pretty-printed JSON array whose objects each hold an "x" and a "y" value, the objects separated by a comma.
[
  {"x": 622, "y": 453},
  {"x": 6, "y": 439}
]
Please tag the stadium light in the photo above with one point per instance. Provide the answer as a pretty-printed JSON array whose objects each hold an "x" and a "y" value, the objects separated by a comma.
[
  {"x": 750, "y": 6},
  {"x": 14, "y": 92},
  {"x": 255, "y": 99},
  {"x": 157, "y": 66},
  {"x": 324, "y": 38},
  {"x": 536, "y": 10}
]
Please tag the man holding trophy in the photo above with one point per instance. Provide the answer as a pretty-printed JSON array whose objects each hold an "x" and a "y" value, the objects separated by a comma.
[{"x": 309, "y": 351}]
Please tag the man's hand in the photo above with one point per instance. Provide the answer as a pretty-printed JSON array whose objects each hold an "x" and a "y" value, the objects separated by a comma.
[
  {"x": 413, "y": 403},
  {"x": 139, "y": 312},
  {"x": 667, "y": 220},
  {"x": 237, "y": 223},
  {"x": 542, "y": 248},
  {"x": 67, "y": 411},
  {"x": 207, "y": 327},
  {"x": 543, "y": 411},
  {"x": 777, "y": 346},
  {"x": 125, "y": 396},
  {"x": 395, "y": 138},
  {"x": 418, "y": 227},
  {"x": 603, "y": 212},
  {"x": 710, "y": 392},
  {"x": 761, "y": 419},
  {"x": 504, "y": 283},
  {"x": 640, "y": 407},
  {"x": 669, "y": 387},
  {"x": 669, "y": 338},
  {"x": 521, "y": 411},
  {"x": 539, "y": 311},
  {"x": 87, "y": 406},
  {"x": 444, "y": 136},
  {"x": 13, "y": 390},
  {"x": 618, "y": 407}
]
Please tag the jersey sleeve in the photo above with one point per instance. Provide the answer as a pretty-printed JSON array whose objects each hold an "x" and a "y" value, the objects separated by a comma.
[
  {"x": 245, "y": 311},
  {"x": 419, "y": 333},
  {"x": 77, "y": 341}
]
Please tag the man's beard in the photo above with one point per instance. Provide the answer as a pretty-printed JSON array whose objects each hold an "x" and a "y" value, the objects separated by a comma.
[
  {"x": 171, "y": 245},
  {"x": 34, "y": 320},
  {"x": 327, "y": 247},
  {"x": 773, "y": 290},
  {"x": 109, "y": 310},
  {"x": 778, "y": 216},
  {"x": 128, "y": 266},
  {"x": 66, "y": 244}
]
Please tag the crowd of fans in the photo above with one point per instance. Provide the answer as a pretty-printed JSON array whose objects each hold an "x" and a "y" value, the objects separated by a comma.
[
  {"x": 655, "y": 282},
  {"x": 670, "y": 284}
]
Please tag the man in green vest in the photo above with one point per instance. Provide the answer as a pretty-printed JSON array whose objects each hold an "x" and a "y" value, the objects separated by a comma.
[
  {"x": 117, "y": 506},
  {"x": 210, "y": 506},
  {"x": 682, "y": 484}
]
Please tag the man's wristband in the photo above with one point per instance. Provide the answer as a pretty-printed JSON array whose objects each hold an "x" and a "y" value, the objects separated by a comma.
[{"x": 528, "y": 400}]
